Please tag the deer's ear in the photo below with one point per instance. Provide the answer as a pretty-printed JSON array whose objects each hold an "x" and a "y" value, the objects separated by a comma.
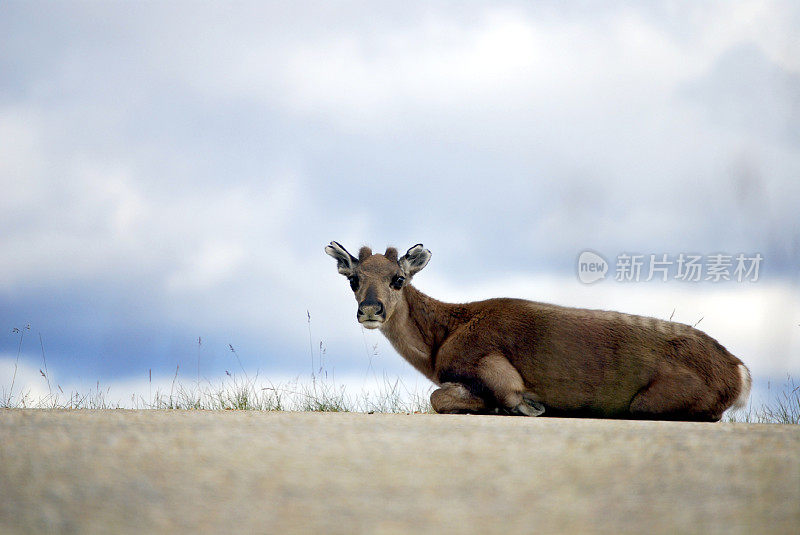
[
  {"x": 345, "y": 262},
  {"x": 414, "y": 260}
]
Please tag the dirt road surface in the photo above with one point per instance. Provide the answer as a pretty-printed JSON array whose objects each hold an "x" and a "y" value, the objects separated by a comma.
[{"x": 252, "y": 472}]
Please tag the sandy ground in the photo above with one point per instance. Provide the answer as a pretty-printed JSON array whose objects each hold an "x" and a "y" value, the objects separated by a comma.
[{"x": 220, "y": 472}]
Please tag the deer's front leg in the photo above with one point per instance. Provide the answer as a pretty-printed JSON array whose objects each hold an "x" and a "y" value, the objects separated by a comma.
[
  {"x": 505, "y": 383},
  {"x": 455, "y": 398},
  {"x": 496, "y": 383}
]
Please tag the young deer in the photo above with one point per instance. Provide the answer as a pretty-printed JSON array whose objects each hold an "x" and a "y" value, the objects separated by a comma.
[{"x": 521, "y": 357}]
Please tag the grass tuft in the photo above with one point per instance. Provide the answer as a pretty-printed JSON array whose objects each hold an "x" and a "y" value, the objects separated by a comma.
[{"x": 783, "y": 408}]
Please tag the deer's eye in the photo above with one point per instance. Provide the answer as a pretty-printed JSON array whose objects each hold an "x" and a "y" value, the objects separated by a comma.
[
  {"x": 397, "y": 282},
  {"x": 353, "y": 282}
]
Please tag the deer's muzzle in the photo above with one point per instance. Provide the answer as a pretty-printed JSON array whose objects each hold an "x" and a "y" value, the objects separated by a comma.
[{"x": 371, "y": 313}]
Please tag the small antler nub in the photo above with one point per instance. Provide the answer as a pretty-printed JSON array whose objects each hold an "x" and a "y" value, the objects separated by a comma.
[{"x": 364, "y": 253}]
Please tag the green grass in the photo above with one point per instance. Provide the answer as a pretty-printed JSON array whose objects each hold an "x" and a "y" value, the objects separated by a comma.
[
  {"x": 234, "y": 391},
  {"x": 238, "y": 393}
]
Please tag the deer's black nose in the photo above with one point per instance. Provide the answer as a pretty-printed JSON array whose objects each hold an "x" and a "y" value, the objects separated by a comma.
[{"x": 370, "y": 307}]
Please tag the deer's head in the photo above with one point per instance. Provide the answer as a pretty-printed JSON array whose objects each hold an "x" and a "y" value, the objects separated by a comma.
[{"x": 377, "y": 280}]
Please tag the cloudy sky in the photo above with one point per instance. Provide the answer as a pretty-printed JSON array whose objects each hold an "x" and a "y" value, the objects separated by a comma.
[{"x": 172, "y": 171}]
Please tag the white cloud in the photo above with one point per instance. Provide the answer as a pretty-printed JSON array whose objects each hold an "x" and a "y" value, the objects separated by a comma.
[
  {"x": 505, "y": 64},
  {"x": 770, "y": 24}
]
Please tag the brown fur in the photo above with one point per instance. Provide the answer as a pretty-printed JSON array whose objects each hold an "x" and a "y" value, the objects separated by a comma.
[
  {"x": 391, "y": 254},
  {"x": 364, "y": 253},
  {"x": 519, "y": 357}
]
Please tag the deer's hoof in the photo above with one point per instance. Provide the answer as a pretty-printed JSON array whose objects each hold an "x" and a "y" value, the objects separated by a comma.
[{"x": 528, "y": 408}]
